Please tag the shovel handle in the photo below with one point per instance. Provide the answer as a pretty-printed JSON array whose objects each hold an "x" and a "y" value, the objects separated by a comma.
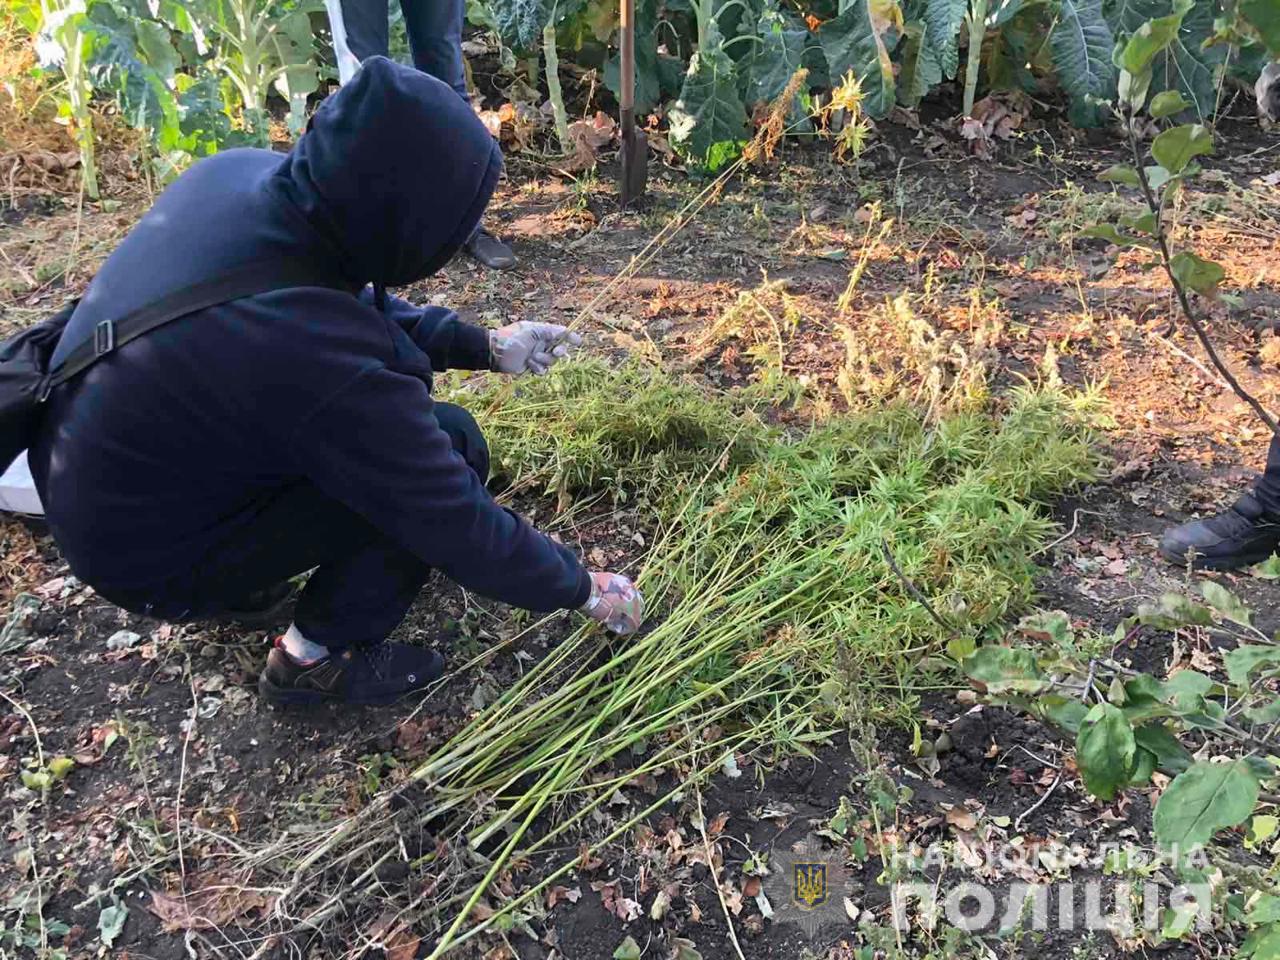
[{"x": 627, "y": 93}]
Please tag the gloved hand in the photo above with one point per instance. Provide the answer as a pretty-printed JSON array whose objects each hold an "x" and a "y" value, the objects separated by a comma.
[
  {"x": 529, "y": 347},
  {"x": 615, "y": 602}
]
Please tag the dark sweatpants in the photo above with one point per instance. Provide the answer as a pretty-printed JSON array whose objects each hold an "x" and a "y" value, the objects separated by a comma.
[{"x": 364, "y": 582}]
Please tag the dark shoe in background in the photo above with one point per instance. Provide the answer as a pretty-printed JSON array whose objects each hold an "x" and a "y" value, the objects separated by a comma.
[
  {"x": 365, "y": 675},
  {"x": 1239, "y": 537},
  {"x": 490, "y": 250}
]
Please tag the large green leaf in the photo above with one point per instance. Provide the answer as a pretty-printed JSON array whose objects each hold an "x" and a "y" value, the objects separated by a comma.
[
  {"x": 860, "y": 40},
  {"x": 943, "y": 20},
  {"x": 118, "y": 67},
  {"x": 1188, "y": 65},
  {"x": 1171, "y": 756},
  {"x": 1174, "y": 149},
  {"x": 1105, "y": 750},
  {"x": 1204, "y": 799},
  {"x": 1067, "y": 713},
  {"x": 1225, "y": 603},
  {"x": 657, "y": 75},
  {"x": 1126, "y": 16},
  {"x": 1198, "y": 274},
  {"x": 1167, "y": 104},
  {"x": 920, "y": 69},
  {"x": 299, "y": 75},
  {"x": 205, "y": 126},
  {"x": 1264, "y": 16},
  {"x": 999, "y": 670},
  {"x": 709, "y": 113},
  {"x": 1185, "y": 64},
  {"x": 783, "y": 38},
  {"x": 1174, "y": 610},
  {"x": 1082, "y": 44},
  {"x": 519, "y": 22},
  {"x": 1149, "y": 39},
  {"x": 1243, "y": 660},
  {"x": 157, "y": 50},
  {"x": 1017, "y": 51}
]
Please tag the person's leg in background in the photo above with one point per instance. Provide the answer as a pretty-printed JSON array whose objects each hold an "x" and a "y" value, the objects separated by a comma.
[
  {"x": 1246, "y": 533},
  {"x": 360, "y": 30},
  {"x": 435, "y": 38}
]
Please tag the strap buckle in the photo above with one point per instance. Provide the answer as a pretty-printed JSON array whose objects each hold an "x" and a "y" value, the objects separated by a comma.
[{"x": 104, "y": 337}]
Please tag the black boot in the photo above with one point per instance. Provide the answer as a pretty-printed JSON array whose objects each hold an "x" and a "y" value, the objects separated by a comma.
[
  {"x": 379, "y": 674},
  {"x": 490, "y": 250},
  {"x": 1239, "y": 537}
]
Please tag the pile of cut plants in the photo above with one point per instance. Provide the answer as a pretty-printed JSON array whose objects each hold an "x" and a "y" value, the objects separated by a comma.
[{"x": 786, "y": 570}]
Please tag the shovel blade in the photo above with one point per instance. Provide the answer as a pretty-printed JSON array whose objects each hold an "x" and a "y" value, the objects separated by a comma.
[{"x": 635, "y": 165}]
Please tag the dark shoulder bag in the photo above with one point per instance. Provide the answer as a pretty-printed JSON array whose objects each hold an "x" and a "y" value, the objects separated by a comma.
[{"x": 26, "y": 379}]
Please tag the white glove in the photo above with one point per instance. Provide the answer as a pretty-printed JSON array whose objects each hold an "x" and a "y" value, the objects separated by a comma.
[
  {"x": 529, "y": 347},
  {"x": 615, "y": 602}
]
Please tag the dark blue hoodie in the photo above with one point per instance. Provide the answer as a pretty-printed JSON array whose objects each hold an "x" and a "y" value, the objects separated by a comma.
[{"x": 168, "y": 443}]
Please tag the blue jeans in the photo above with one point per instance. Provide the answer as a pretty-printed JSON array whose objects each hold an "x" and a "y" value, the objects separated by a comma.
[{"x": 434, "y": 28}]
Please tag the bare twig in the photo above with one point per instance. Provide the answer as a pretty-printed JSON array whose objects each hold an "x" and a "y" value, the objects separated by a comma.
[
  {"x": 1088, "y": 682},
  {"x": 1075, "y": 525},
  {"x": 715, "y": 874},
  {"x": 35, "y": 731},
  {"x": 182, "y": 776},
  {"x": 1204, "y": 371},
  {"x": 914, "y": 590},
  {"x": 1038, "y": 804}
]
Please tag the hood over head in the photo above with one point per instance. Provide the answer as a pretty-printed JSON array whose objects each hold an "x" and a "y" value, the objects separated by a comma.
[{"x": 394, "y": 172}]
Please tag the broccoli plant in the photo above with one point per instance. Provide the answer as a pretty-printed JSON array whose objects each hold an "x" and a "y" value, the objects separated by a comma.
[{"x": 62, "y": 44}]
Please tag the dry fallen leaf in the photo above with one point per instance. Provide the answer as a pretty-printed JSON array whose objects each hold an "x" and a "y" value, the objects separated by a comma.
[
  {"x": 558, "y": 893},
  {"x": 587, "y": 861},
  {"x": 717, "y": 825},
  {"x": 1116, "y": 568},
  {"x": 588, "y": 136},
  {"x": 213, "y": 901}
]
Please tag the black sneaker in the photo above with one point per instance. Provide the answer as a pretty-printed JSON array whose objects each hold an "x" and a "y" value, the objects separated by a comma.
[
  {"x": 1239, "y": 537},
  {"x": 490, "y": 250},
  {"x": 380, "y": 674}
]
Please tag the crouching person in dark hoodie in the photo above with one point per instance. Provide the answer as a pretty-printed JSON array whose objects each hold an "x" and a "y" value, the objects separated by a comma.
[{"x": 189, "y": 473}]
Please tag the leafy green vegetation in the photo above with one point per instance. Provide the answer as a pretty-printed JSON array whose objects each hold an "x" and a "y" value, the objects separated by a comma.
[
  {"x": 1212, "y": 737},
  {"x": 197, "y": 76}
]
